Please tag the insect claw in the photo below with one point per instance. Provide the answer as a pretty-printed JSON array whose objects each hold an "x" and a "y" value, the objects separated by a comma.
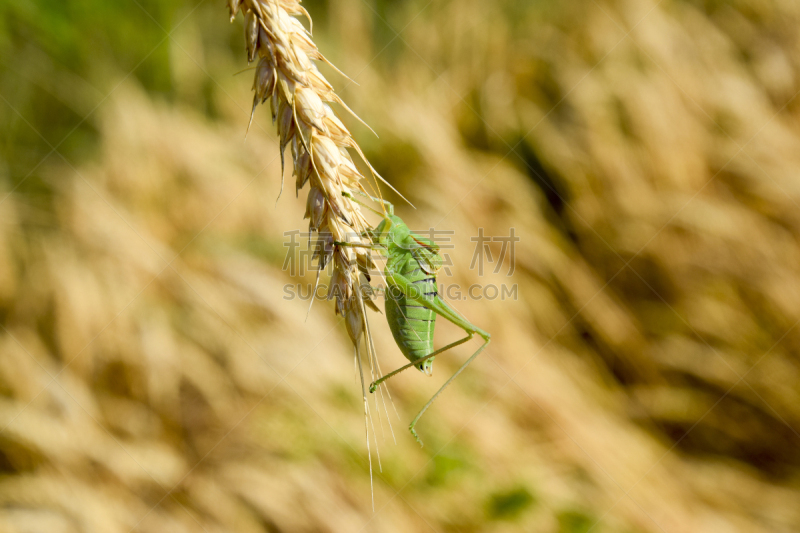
[{"x": 416, "y": 437}]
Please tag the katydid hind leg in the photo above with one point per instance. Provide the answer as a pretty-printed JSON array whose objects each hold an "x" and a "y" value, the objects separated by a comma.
[
  {"x": 376, "y": 383},
  {"x": 441, "y": 308},
  {"x": 436, "y": 304},
  {"x": 425, "y": 408}
]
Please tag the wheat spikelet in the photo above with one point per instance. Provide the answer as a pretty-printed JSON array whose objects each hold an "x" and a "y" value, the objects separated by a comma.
[{"x": 299, "y": 96}]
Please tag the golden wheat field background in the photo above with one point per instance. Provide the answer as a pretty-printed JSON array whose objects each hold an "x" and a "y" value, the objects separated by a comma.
[{"x": 156, "y": 376}]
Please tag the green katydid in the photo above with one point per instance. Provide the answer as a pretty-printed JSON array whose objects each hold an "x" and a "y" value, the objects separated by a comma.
[{"x": 412, "y": 301}]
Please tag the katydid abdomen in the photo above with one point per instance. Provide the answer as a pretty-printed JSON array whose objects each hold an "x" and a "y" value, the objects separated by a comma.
[{"x": 412, "y": 324}]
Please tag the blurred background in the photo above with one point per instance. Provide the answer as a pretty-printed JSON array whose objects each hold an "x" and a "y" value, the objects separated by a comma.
[{"x": 154, "y": 377}]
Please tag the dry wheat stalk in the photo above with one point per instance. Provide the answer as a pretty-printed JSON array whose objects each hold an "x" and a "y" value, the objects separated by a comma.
[{"x": 299, "y": 95}]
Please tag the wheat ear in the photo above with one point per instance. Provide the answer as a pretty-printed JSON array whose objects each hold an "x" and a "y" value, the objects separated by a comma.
[
  {"x": 287, "y": 76},
  {"x": 300, "y": 97}
]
